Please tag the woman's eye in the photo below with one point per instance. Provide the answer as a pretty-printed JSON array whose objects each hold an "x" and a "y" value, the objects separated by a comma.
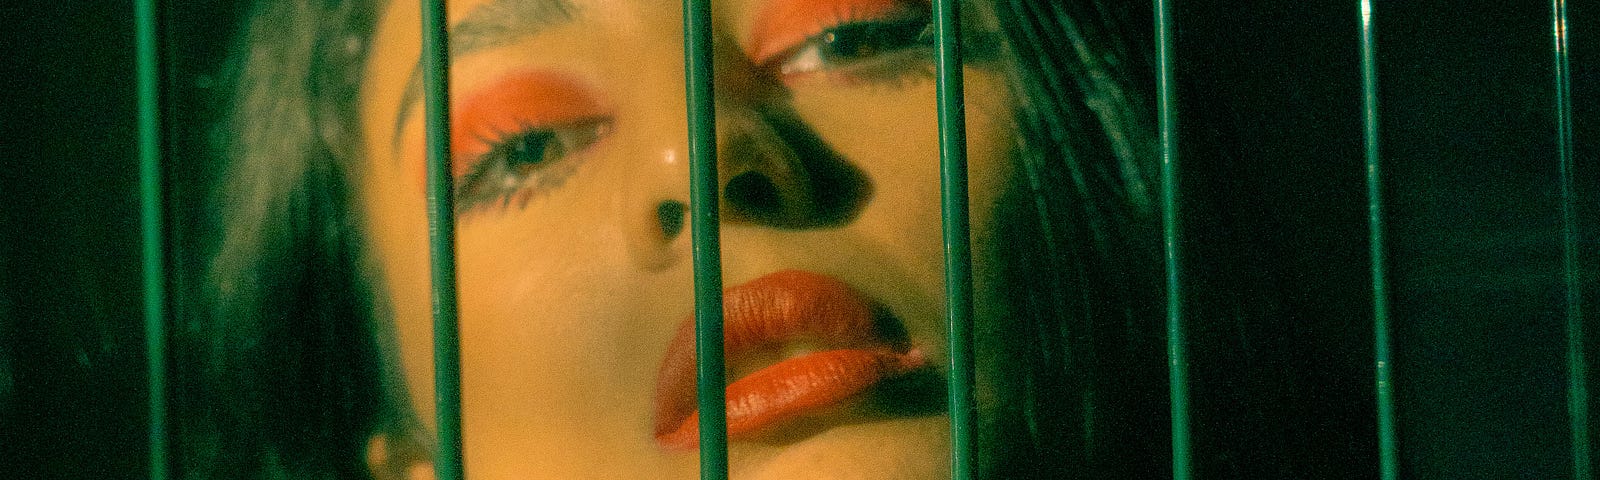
[
  {"x": 523, "y": 163},
  {"x": 530, "y": 149},
  {"x": 858, "y": 44}
]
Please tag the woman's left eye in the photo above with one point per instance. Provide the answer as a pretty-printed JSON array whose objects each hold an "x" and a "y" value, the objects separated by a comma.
[
  {"x": 858, "y": 44},
  {"x": 526, "y": 162}
]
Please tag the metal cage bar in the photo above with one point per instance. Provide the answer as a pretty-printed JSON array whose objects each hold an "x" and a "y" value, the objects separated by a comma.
[
  {"x": 955, "y": 223},
  {"x": 957, "y": 240},
  {"x": 1171, "y": 236},
  {"x": 1577, "y": 381},
  {"x": 152, "y": 226},
  {"x": 710, "y": 391},
  {"x": 441, "y": 241},
  {"x": 1388, "y": 456}
]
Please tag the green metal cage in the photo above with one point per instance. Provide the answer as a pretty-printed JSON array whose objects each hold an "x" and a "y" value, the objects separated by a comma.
[{"x": 1171, "y": 50}]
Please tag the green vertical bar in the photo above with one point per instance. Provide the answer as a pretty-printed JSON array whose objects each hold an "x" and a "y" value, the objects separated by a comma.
[
  {"x": 957, "y": 245},
  {"x": 703, "y": 219},
  {"x": 1388, "y": 453},
  {"x": 1171, "y": 231},
  {"x": 148, "y": 60},
  {"x": 441, "y": 241},
  {"x": 1577, "y": 381}
]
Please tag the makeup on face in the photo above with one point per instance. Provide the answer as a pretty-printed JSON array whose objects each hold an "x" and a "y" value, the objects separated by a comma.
[
  {"x": 849, "y": 40},
  {"x": 521, "y": 135},
  {"x": 823, "y": 343},
  {"x": 526, "y": 132},
  {"x": 518, "y": 101},
  {"x": 832, "y": 334},
  {"x": 785, "y": 25}
]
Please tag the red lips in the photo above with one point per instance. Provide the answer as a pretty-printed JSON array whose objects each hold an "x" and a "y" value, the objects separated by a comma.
[{"x": 770, "y": 312}]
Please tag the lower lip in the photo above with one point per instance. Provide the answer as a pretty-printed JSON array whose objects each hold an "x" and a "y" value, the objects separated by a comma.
[{"x": 796, "y": 387}]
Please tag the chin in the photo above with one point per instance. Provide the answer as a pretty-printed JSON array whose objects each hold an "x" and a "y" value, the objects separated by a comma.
[{"x": 903, "y": 448}]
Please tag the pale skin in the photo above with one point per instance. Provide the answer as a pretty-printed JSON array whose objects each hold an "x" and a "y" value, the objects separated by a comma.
[{"x": 572, "y": 289}]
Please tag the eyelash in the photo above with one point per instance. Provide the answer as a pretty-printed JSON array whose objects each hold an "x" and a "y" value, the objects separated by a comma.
[
  {"x": 532, "y": 159},
  {"x": 527, "y": 161},
  {"x": 875, "y": 49}
]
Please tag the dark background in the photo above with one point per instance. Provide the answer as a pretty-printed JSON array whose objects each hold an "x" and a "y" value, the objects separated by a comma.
[{"x": 1468, "y": 141}]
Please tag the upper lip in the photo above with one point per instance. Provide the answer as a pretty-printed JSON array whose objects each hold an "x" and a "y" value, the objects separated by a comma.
[{"x": 857, "y": 348}]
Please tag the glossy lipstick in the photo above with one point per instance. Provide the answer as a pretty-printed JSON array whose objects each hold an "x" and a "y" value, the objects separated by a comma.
[{"x": 782, "y": 309}]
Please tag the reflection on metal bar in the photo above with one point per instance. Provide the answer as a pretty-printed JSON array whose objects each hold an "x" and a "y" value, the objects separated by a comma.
[
  {"x": 1388, "y": 456},
  {"x": 1577, "y": 383},
  {"x": 441, "y": 241},
  {"x": 957, "y": 245},
  {"x": 148, "y": 60},
  {"x": 703, "y": 219},
  {"x": 1171, "y": 230}
]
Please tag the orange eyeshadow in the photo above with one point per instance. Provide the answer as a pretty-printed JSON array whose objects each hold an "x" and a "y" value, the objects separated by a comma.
[
  {"x": 514, "y": 103},
  {"x": 784, "y": 24}
]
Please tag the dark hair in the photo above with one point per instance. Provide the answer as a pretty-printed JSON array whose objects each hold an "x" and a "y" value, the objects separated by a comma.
[
  {"x": 1080, "y": 387},
  {"x": 279, "y": 364},
  {"x": 283, "y": 375}
]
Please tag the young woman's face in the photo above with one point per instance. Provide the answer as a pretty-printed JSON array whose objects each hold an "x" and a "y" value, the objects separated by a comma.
[{"x": 574, "y": 255}]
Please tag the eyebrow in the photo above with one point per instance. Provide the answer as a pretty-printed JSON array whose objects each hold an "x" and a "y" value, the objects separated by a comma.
[{"x": 494, "y": 24}]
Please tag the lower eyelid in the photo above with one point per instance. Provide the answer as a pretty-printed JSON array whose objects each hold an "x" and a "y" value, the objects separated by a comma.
[
  {"x": 575, "y": 138},
  {"x": 517, "y": 193},
  {"x": 895, "y": 69}
]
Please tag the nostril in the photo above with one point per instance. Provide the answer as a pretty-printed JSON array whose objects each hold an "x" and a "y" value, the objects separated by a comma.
[
  {"x": 780, "y": 174},
  {"x": 753, "y": 194},
  {"x": 669, "y": 215}
]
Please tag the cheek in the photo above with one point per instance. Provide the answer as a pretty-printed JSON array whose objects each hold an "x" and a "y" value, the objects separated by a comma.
[
  {"x": 556, "y": 349},
  {"x": 398, "y": 242},
  {"x": 892, "y": 136},
  {"x": 538, "y": 282},
  {"x": 520, "y": 284}
]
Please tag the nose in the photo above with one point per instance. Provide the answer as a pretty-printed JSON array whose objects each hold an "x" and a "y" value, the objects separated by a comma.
[{"x": 774, "y": 170}]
